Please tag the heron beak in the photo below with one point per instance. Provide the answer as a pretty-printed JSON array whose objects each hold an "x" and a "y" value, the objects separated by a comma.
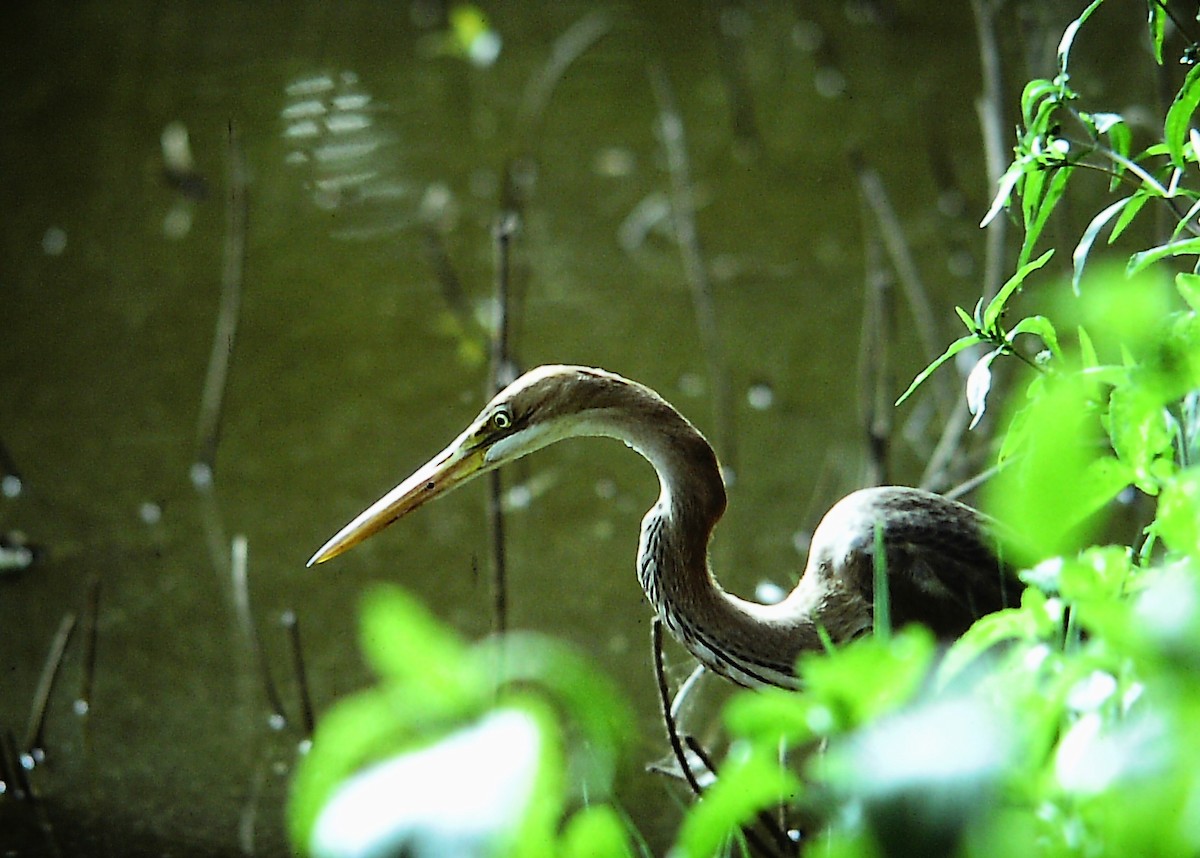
[{"x": 449, "y": 469}]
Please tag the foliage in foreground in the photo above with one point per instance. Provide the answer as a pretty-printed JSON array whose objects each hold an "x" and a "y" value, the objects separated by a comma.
[{"x": 1062, "y": 727}]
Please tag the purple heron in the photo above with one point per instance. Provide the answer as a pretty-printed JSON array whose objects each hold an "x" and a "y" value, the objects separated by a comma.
[{"x": 940, "y": 557}]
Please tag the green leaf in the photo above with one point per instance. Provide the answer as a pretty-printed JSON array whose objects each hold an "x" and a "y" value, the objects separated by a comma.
[
  {"x": 1120, "y": 139},
  {"x": 587, "y": 696},
  {"x": 1039, "y": 326},
  {"x": 1189, "y": 287},
  {"x": 995, "y": 307},
  {"x": 754, "y": 779},
  {"x": 1079, "y": 257},
  {"x": 986, "y": 633},
  {"x": 1042, "y": 210},
  {"x": 955, "y": 347},
  {"x": 1179, "y": 116},
  {"x": 979, "y": 384},
  {"x": 1033, "y": 96},
  {"x": 1040, "y": 496},
  {"x": 771, "y": 716},
  {"x": 1005, "y": 186},
  {"x": 869, "y": 676},
  {"x": 1140, "y": 197},
  {"x": 1140, "y": 431},
  {"x": 1068, "y": 36},
  {"x": 1100, "y": 573},
  {"x": 1158, "y": 27},
  {"x": 1031, "y": 188},
  {"x": 405, "y": 643},
  {"x": 1189, "y": 246},
  {"x": 1178, "y": 519},
  {"x": 595, "y": 832},
  {"x": 1182, "y": 223}
]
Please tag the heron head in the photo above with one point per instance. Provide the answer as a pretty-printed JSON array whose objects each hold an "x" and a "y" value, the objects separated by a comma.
[{"x": 544, "y": 405}]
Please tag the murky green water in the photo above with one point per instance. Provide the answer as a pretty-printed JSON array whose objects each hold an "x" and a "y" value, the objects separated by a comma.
[{"x": 350, "y": 367}]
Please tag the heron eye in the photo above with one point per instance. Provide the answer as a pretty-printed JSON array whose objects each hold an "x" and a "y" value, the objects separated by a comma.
[{"x": 502, "y": 419}]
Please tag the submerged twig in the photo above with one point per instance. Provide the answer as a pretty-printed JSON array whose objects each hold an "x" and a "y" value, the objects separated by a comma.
[
  {"x": 993, "y": 129},
  {"x": 11, "y": 483},
  {"x": 568, "y": 48},
  {"x": 452, "y": 289},
  {"x": 900, "y": 255},
  {"x": 664, "y": 698},
  {"x": 292, "y": 624},
  {"x": 938, "y": 468},
  {"x": 35, "y": 738},
  {"x": 208, "y": 426},
  {"x": 738, "y": 89},
  {"x": 248, "y": 818},
  {"x": 969, "y": 485},
  {"x": 501, "y": 373},
  {"x": 874, "y": 363},
  {"x": 683, "y": 215},
  {"x": 239, "y": 566},
  {"x": 91, "y": 619},
  {"x": 12, "y": 774}
]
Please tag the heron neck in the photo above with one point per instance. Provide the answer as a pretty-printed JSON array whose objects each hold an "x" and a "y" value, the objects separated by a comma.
[{"x": 750, "y": 643}]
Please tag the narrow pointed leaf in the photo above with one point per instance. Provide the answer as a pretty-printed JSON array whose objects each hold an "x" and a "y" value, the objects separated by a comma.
[
  {"x": 955, "y": 347},
  {"x": 1179, "y": 116},
  {"x": 1158, "y": 28},
  {"x": 1079, "y": 257},
  {"x": 1005, "y": 188},
  {"x": 996, "y": 307},
  {"x": 1033, "y": 227},
  {"x": 1138, "y": 261},
  {"x": 1140, "y": 197},
  {"x": 979, "y": 384},
  {"x": 1068, "y": 36}
]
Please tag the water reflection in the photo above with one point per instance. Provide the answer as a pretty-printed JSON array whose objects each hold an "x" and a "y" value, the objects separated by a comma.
[{"x": 349, "y": 155}]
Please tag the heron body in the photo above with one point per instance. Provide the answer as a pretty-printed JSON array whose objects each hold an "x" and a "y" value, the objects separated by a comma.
[{"x": 940, "y": 557}]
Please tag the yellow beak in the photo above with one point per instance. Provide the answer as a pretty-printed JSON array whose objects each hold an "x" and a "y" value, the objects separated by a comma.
[{"x": 449, "y": 469}]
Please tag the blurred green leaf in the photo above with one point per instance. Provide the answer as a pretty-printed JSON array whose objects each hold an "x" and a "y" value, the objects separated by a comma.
[
  {"x": 1120, "y": 138},
  {"x": 404, "y": 642},
  {"x": 1141, "y": 433},
  {"x": 987, "y": 632},
  {"x": 1033, "y": 96},
  {"x": 1100, "y": 573},
  {"x": 357, "y": 730},
  {"x": 1189, "y": 287},
  {"x": 1177, "y": 521},
  {"x": 774, "y": 715},
  {"x": 595, "y": 832},
  {"x": 535, "y": 837},
  {"x": 752, "y": 779},
  {"x": 869, "y": 676},
  {"x": 587, "y": 697},
  {"x": 1041, "y": 495}
]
